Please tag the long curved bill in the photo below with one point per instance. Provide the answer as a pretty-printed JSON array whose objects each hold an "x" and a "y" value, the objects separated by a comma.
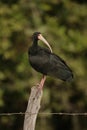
[{"x": 40, "y": 37}]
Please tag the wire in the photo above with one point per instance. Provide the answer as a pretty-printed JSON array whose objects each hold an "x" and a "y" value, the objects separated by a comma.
[{"x": 44, "y": 113}]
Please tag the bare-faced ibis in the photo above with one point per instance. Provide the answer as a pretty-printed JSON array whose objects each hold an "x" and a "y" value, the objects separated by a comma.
[{"x": 46, "y": 62}]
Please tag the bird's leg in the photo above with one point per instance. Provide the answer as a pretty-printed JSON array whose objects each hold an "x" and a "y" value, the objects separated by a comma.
[
  {"x": 40, "y": 85},
  {"x": 42, "y": 82}
]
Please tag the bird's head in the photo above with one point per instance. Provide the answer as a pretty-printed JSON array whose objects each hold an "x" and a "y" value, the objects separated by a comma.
[{"x": 38, "y": 36}]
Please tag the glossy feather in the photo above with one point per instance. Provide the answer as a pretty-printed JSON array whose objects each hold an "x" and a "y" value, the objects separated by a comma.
[{"x": 47, "y": 63}]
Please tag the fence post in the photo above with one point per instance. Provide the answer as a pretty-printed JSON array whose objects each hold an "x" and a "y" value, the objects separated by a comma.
[{"x": 32, "y": 109}]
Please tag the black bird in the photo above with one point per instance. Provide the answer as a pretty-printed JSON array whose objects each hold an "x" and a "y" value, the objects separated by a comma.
[{"x": 46, "y": 62}]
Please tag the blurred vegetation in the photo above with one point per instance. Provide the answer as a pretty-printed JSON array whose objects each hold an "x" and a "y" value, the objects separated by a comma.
[{"x": 64, "y": 25}]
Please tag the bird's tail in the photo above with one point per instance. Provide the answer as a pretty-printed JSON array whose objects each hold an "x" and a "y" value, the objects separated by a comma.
[{"x": 69, "y": 78}]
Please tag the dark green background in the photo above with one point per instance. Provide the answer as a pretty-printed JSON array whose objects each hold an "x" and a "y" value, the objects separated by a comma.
[{"x": 64, "y": 24}]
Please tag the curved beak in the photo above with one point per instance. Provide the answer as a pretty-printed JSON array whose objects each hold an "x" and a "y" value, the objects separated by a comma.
[{"x": 40, "y": 37}]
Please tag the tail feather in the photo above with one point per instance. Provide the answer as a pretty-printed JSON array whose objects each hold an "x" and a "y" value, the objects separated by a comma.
[{"x": 70, "y": 78}]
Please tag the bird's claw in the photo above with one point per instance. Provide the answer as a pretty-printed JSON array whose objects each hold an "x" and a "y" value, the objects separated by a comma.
[{"x": 37, "y": 84}]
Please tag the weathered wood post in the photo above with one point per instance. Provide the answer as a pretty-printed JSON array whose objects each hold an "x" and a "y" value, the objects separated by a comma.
[{"x": 32, "y": 109}]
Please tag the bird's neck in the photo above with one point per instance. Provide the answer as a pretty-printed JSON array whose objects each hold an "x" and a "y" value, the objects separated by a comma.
[
  {"x": 33, "y": 49},
  {"x": 35, "y": 42}
]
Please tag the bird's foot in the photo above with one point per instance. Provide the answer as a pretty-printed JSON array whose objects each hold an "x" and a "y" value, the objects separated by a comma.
[{"x": 37, "y": 85}]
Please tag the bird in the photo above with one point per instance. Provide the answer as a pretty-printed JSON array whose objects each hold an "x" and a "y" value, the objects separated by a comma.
[{"x": 46, "y": 62}]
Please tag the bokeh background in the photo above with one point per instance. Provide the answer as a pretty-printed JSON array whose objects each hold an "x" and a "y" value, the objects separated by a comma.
[{"x": 64, "y": 24}]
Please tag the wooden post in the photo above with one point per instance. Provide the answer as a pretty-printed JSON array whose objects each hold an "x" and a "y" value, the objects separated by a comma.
[{"x": 32, "y": 109}]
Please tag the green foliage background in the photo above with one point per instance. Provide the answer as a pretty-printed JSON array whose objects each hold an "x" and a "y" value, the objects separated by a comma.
[{"x": 64, "y": 24}]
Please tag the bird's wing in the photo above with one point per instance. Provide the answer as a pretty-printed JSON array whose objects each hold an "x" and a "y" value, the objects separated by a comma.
[
  {"x": 59, "y": 69},
  {"x": 40, "y": 60},
  {"x": 50, "y": 64}
]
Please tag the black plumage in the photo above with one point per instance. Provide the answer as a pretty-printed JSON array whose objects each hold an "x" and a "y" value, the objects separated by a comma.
[{"x": 48, "y": 63}]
